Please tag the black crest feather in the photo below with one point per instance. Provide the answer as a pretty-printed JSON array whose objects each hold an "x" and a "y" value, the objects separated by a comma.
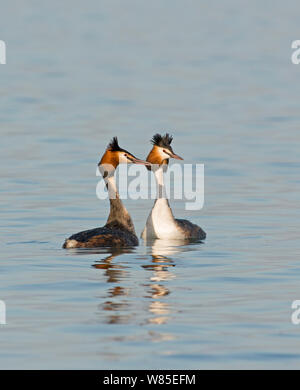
[
  {"x": 163, "y": 141},
  {"x": 114, "y": 145}
]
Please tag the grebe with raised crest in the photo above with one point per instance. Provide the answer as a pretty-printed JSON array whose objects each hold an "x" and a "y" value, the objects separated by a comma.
[
  {"x": 119, "y": 229},
  {"x": 161, "y": 222}
]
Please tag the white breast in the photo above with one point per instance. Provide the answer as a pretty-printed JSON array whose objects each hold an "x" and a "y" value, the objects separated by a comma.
[{"x": 161, "y": 222}]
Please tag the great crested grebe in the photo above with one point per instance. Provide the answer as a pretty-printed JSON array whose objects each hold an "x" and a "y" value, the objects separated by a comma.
[
  {"x": 119, "y": 229},
  {"x": 161, "y": 222}
]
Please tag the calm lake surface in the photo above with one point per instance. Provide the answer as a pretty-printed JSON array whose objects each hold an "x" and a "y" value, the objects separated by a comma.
[{"x": 219, "y": 77}]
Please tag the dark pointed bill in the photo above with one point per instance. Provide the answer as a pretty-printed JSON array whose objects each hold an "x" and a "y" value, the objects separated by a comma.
[
  {"x": 170, "y": 152},
  {"x": 135, "y": 160},
  {"x": 173, "y": 155}
]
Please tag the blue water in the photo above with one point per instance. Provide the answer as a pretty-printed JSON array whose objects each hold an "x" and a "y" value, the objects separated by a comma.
[{"x": 219, "y": 77}]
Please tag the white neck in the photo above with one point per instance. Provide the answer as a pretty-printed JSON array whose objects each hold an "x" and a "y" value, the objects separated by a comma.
[
  {"x": 111, "y": 187},
  {"x": 161, "y": 222},
  {"x": 118, "y": 214},
  {"x": 160, "y": 185},
  {"x": 159, "y": 176}
]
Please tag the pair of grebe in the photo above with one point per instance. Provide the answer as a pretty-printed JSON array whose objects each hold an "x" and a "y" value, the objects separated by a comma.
[{"x": 119, "y": 229}]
